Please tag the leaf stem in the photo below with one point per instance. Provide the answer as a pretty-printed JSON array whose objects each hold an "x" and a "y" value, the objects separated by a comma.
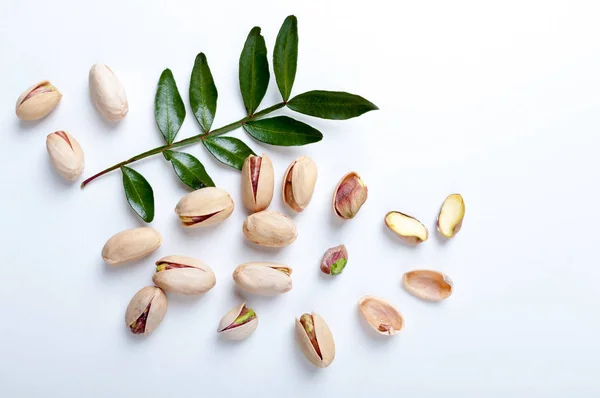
[{"x": 187, "y": 141}]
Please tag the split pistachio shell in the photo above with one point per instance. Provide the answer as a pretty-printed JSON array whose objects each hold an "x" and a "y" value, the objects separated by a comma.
[
  {"x": 130, "y": 245},
  {"x": 238, "y": 323},
  {"x": 381, "y": 315},
  {"x": 315, "y": 339},
  {"x": 428, "y": 285},
  {"x": 203, "y": 207},
  {"x": 299, "y": 183},
  {"x": 66, "y": 154},
  {"x": 270, "y": 228},
  {"x": 265, "y": 279},
  {"x": 108, "y": 94},
  {"x": 257, "y": 182},
  {"x": 183, "y": 275},
  {"x": 37, "y": 101},
  {"x": 408, "y": 228},
  {"x": 146, "y": 310},
  {"x": 349, "y": 196},
  {"x": 451, "y": 215}
]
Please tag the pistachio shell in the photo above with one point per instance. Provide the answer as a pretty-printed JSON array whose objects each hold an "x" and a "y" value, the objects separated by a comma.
[
  {"x": 349, "y": 196},
  {"x": 130, "y": 245},
  {"x": 203, "y": 207},
  {"x": 108, "y": 94},
  {"x": 451, "y": 215},
  {"x": 428, "y": 285},
  {"x": 381, "y": 315},
  {"x": 265, "y": 279},
  {"x": 408, "y": 228},
  {"x": 324, "y": 340},
  {"x": 257, "y": 182},
  {"x": 239, "y": 332},
  {"x": 66, "y": 154},
  {"x": 185, "y": 275},
  {"x": 156, "y": 300},
  {"x": 299, "y": 183},
  {"x": 37, "y": 101},
  {"x": 270, "y": 228}
]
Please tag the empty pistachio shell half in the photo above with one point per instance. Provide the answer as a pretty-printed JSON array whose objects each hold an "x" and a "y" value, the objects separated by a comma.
[
  {"x": 130, "y": 245},
  {"x": 270, "y": 228},
  {"x": 451, "y": 215},
  {"x": 238, "y": 323},
  {"x": 257, "y": 182},
  {"x": 66, "y": 154},
  {"x": 37, "y": 101},
  {"x": 334, "y": 260},
  {"x": 408, "y": 228},
  {"x": 146, "y": 310},
  {"x": 108, "y": 94},
  {"x": 203, "y": 207},
  {"x": 299, "y": 183},
  {"x": 265, "y": 279},
  {"x": 183, "y": 275},
  {"x": 428, "y": 285},
  {"x": 349, "y": 196},
  {"x": 381, "y": 315},
  {"x": 315, "y": 339}
]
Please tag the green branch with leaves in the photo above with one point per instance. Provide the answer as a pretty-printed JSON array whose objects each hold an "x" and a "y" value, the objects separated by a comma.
[{"x": 254, "y": 76}]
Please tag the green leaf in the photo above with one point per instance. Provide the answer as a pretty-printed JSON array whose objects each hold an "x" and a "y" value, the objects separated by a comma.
[
  {"x": 334, "y": 105},
  {"x": 228, "y": 150},
  {"x": 285, "y": 56},
  {"x": 282, "y": 131},
  {"x": 139, "y": 193},
  {"x": 203, "y": 93},
  {"x": 169, "y": 110},
  {"x": 254, "y": 70},
  {"x": 189, "y": 169}
]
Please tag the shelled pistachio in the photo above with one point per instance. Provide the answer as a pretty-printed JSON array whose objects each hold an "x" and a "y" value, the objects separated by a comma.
[{"x": 349, "y": 196}]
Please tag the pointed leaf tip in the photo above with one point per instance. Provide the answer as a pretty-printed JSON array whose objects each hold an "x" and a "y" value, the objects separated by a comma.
[
  {"x": 139, "y": 193},
  {"x": 335, "y": 105},
  {"x": 203, "y": 93},
  {"x": 253, "y": 70},
  {"x": 285, "y": 56}
]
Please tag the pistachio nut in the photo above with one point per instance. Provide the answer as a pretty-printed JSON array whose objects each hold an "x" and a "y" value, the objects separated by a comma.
[
  {"x": 257, "y": 182},
  {"x": 107, "y": 92},
  {"x": 131, "y": 245},
  {"x": 238, "y": 323},
  {"x": 451, "y": 215},
  {"x": 299, "y": 183},
  {"x": 334, "y": 260},
  {"x": 349, "y": 196},
  {"x": 66, "y": 154},
  {"x": 381, "y": 315},
  {"x": 270, "y": 228},
  {"x": 408, "y": 228},
  {"x": 428, "y": 285},
  {"x": 146, "y": 310},
  {"x": 37, "y": 101},
  {"x": 183, "y": 275},
  {"x": 265, "y": 279},
  {"x": 315, "y": 339},
  {"x": 203, "y": 207}
]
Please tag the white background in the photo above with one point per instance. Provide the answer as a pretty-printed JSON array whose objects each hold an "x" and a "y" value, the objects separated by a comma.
[{"x": 496, "y": 100}]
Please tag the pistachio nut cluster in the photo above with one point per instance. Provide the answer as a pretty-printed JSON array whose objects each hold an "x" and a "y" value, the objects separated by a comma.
[
  {"x": 315, "y": 339},
  {"x": 108, "y": 94},
  {"x": 258, "y": 179},
  {"x": 299, "y": 183},
  {"x": 183, "y": 275},
  {"x": 146, "y": 310},
  {"x": 239, "y": 323},
  {"x": 65, "y": 154},
  {"x": 204, "y": 207},
  {"x": 37, "y": 101}
]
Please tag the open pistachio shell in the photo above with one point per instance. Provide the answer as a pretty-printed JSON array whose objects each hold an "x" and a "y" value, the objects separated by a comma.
[
  {"x": 146, "y": 310},
  {"x": 408, "y": 228},
  {"x": 257, "y": 182},
  {"x": 265, "y": 279},
  {"x": 238, "y": 323},
  {"x": 349, "y": 196},
  {"x": 381, "y": 315},
  {"x": 427, "y": 284},
  {"x": 183, "y": 275},
  {"x": 299, "y": 183},
  {"x": 324, "y": 353},
  {"x": 204, "y": 207},
  {"x": 451, "y": 215}
]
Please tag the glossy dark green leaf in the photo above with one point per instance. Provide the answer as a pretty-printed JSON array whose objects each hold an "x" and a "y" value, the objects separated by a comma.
[
  {"x": 254, "y": 70},
  {"x": 139, "y": 193},
  {"x": 169, "y": 110},
  {"x": 334, "y": 105},
  {"x": 285, "y": 56},
  {"x": 189, "y": 170},
  {"x": 203, "y": 93},
  {"x": 282, "y": 131},
  {"x": 228, "y": 150}
]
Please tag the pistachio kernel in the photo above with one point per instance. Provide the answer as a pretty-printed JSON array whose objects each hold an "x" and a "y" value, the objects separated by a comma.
[
  {"x": 139, "y": 325},
  {"x": 309, "y": 326}
]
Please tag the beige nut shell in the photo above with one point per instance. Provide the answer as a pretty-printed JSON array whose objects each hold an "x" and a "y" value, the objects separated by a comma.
[
  {"x": 264, "y": 187},
  {"x": 381, "y": 315},
  {"x": 39, "y": 105},
  {"x": 301, "y": 183},
  {"x": 130, "y": 245},
  {"x": 239, "y": 332},
  {"x": 324, "y": 340},
  {"x": 406, "y": 227},
  {"x": 428, "y": 285},
  {"x": 196, "y": 280},
  {"x": 203, "y": 202},
  {"x": 270, "y": 229},
  {"x": 138, "y": 305},
  {"x": 65, "y": 154},
  {"x": 263, "y": 278},
  {"x": 107, "y": 92}
]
